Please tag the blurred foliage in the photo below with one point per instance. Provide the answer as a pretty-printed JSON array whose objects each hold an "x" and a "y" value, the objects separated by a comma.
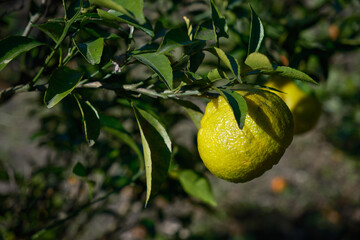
[{"x": 63, "y": 196}]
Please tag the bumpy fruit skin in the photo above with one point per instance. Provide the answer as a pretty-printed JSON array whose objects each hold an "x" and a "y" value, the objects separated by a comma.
[
  {"x": 239, "y": 155},
  {"x": 306, "y": 109}
]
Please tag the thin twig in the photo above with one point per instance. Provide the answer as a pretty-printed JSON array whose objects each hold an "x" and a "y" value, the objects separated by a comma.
[{"x": 34, "y": 18}]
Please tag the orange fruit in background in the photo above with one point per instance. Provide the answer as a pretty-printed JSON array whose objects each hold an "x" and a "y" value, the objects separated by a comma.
[
  {"x": 240, "y": 155},
  {"x": 278, "y": 184},
  {"x": 334, "y": 32},
  {"x": 306, "y": 109}
]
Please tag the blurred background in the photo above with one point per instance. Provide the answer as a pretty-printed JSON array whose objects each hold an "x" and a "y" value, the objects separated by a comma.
[{"x": 313, "y": 193}]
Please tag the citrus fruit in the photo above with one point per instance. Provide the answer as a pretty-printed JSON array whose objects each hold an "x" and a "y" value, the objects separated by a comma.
[
  {"x": 334, "y": 32},
  {"x": 306, "y": 109},
  {"x": 278, "y": 184},
  {"x": 240, "y": 155}
]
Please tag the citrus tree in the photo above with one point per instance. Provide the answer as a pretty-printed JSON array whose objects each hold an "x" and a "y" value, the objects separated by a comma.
[{"x": 116, "y": 77}]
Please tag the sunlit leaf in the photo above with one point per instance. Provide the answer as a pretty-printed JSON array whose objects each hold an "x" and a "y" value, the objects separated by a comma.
[
  {"x": 157, "y": 151},
  {"x": 160, "y": 64},
  {"x": 229, "y": 61},
  {"x": 92, "y": 51},
  {"x": 215, "y": 75},
  {"x": 62, "y": 82},
  {"x": 13, "y": 46},
  {"x": 258, "y": 61},
  {"x": 294, "y": 74},
  {"x": 197, "y": 186}
]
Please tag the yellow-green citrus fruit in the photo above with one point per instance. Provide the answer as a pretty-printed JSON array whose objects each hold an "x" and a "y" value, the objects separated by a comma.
[
  {"x": 306, "y": 109},
  {"x": 240, "y": 155}
]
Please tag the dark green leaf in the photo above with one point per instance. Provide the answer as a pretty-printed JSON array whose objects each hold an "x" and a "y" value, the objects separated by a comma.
[
  {"x": 173, "y": 39},
  {"x": 195, "y": 61},
  {"x": 157, "y": 151},
  {"x": 114, "y": 127},
  {"x": 197, "y": 186},
  {"x": 90, "y": 119},
  {"x": 96, "y": 31},
  {"x": 237, "y": 104},
  {"x": 119, "y": 17},
  {"x": 62, "y": 82},
  {"x": 205, "y": 31},
  {"x": 193, "y": 77},
  {"x": 92, "y": 51},
  {"x": 52, "y": 29},
  {"x": 13, "y": 46},
  {"x": 256, "y": 32},
  {"x": 229, "y": 62},
  {"x": 160, "y": 64},
  {"x": 192, "y": 110},
  {"x": 79, "y": 170},
  {"x": 219, "y": 22}
]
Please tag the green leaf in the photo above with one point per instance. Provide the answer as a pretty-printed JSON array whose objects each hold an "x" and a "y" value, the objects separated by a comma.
[
  {"x": 160, "y": 64},
  {"x": 215, "y": 75},
  {"x": 195, "y": 61},
  {"x": 219, "y": 22},
  {"x": 197, "y": 186},
  {"x": 294, "y": 74},
  {"x": 229, "y": 61},
  {"x": 205, "y": 31},
  {"x": 90, "y": 119},
  {"x": 135, "y": 7},
  {"x": 173, "y": 39},
  {"x": 92, "y": 51},
  {"x": 256, "y": 32},
  {"x": 62, "y": 81},
  {"x": 112, "y": 15},
  {"x": 52, "y": 29},
  {"x": 13, "y": 46},
  {"x": 157, "y": 151},
  {"x": 238, "y": 105},
  {"x": 124, "y": 6},
  {"x": 258, "y": 61},
  {"x": 96, "y": 31},
  {"x": 79, "y": 170},
  {"x": 192, "y": 110},
  {"x": 114, "y": 127}
]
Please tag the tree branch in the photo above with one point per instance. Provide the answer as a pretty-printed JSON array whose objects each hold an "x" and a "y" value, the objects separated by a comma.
[{"x": 34, "y": 18}]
